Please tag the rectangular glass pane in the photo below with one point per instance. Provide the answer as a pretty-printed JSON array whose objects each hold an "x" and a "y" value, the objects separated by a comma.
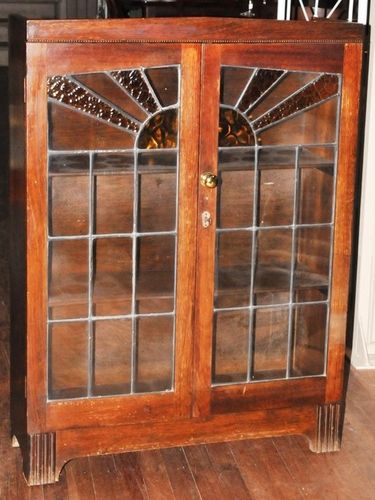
[
  {"x": 68, "y": 279},
  {"x": 270, "y": 344},
  {"x": 309, "y": 334},
  {"x": 273, "y": 268},
  {"x": 233, "y": 277},
  {"x": 236, "y": 188},
  {"x": 312, "y": 260},
  {"x": 155, "y": 274},
  {"x": 276, "y": 187},
  {"x": 231, "y": 346},
  {"x": 276, "y": 197},
  {"x": 157, "y": 205},
  {"x": 154, "y": 367},
  {"x": 68, "y": 363},
  {"x": 68, "y": 205},
  {"x": 157, "y": 191},
  {"x": 68, "y": 164},
  {"x": 113, "y": 348},
  {"x": 113, "y": 204},
  {"x": 271, "y": 298},
  {"x": 315, "y": 195},
  {"x": 112, "y": 285}
]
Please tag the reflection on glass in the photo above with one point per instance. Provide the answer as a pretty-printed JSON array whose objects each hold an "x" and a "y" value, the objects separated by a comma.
[
  {"x": 270, "y": 348},
  {"x": 233, "y": 269},
  {"x": 230, "y": 352},
  {"x": 112, "y": 285},
  {"x": 68, "y": 279},
  {"x": 112, "y": 370},
  {"x": 309, "y": 340},
  {"x": 154, "y": 354},
  {"x": 273, "y": 268},
  {"x": 68, "y": 205},
  {"x": 68, "y": 360},
  {"x": 155, "y": 274},
  {"x": 236, "y": 189}
]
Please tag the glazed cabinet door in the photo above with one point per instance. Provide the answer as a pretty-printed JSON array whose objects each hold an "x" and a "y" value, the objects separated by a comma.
[
  {"x": 270, "y": 256},
  {"x": 114, "y": 160}
]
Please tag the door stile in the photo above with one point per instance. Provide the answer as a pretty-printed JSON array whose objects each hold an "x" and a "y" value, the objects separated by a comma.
[
  {"x": 207, "y": 200},
  {"x": 36, "y": 236},
  {"x": 345, "y": 193},
  {"x": 187, "y": 217}
]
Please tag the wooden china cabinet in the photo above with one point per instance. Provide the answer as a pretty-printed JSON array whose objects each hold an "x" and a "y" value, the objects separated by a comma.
[{"x": 182, "y": 200}]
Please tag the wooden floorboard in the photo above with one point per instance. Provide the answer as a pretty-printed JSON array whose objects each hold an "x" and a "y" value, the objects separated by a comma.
[{"x": 274, "y": 469}]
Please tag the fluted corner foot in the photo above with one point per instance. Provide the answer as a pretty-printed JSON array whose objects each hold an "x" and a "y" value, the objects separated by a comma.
[
  {"x": 40, "y": 466},
  {"x": 328, "y": 431}
]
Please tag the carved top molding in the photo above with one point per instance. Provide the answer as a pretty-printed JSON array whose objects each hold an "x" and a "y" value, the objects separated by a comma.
[{"x": 191, "y": 30}]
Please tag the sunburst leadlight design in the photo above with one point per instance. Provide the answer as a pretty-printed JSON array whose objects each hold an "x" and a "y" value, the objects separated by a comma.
[
  {"x": 160, "y": 132},
  {"x": 142, "y": 89},
  {"x": 261, "y": 84},
  {"x": 73, "y": 94},
  {"x": 135, "y": 83},
  {"x": 234, "y": 130}
]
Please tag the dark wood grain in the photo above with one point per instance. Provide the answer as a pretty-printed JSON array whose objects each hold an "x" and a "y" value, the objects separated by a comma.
[{"x": 193, "y": 30}]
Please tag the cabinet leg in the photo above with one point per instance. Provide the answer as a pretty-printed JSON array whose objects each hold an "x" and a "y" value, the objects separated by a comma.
[
  {"x": 328, "y": 430},
  {"x": 40, "y": 462}
]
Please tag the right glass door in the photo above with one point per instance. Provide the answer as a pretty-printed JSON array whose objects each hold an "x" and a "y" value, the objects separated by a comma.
[{"x": 273, "y": 237}]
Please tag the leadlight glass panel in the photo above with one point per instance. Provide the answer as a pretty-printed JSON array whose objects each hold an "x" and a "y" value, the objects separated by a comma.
[
  {"x": 275, "y": 223},
  {"x": 112, "y": 177}
]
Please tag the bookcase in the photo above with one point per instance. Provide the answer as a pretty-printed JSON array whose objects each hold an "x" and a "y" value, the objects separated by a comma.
[{"x": 182, "y": 203}]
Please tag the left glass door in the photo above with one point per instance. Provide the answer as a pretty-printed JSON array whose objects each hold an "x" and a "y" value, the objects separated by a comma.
[{"x": 114, "y": 165}]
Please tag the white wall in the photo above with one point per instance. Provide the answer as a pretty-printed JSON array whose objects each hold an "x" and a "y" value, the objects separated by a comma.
[{"x": 363, "y": 354}]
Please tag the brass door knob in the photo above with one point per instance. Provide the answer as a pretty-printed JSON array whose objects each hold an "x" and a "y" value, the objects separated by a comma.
[{"x": 208, "y": 179}]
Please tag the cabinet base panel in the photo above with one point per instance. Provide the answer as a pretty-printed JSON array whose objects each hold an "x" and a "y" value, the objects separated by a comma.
[{"x": 47, "y": 453}]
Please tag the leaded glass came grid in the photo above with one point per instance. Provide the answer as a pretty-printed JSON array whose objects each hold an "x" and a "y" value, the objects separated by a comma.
[
  {"x": 112, "y": 230},
  {"x": 275, "y": 225}
]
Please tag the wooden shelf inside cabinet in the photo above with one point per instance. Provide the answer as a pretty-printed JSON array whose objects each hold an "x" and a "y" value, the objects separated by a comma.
[{"x": 150, "y": 306}]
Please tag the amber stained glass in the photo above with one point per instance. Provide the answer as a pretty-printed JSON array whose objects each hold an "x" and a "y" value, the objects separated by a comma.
[
  {"x": 234, "y": 130},
  {"x": 260, "y": 84},
  {"x": 135, "y": 84},
  {"x": 160, "y": 132},
  {"x": 70, "y": 93},
  {"x": 324, "y": 87}
]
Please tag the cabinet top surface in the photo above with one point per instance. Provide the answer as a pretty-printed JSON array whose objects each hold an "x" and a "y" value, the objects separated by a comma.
[{"x": 192, "y": 30}]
